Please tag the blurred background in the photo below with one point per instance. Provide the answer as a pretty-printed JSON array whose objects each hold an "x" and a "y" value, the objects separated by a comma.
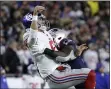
[{"x": 87, "y": 21}]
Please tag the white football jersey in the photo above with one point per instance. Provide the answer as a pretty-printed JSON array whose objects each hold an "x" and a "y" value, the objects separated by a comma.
[{"x": 37, "y": 42}]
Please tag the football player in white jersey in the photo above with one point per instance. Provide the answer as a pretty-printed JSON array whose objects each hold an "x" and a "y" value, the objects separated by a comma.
[{"x": 42, "y": 47}]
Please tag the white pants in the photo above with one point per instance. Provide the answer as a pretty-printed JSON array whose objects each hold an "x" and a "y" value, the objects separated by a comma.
[{"x": 67, "y": 78}]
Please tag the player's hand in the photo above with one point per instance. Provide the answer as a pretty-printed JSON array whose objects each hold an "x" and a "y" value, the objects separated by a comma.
[
  {"x": 38, "y": 9},
  {"x": 80, "y": 49}
]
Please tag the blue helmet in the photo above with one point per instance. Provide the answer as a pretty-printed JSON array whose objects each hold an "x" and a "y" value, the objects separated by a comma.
[{"x": 27, "y": 19}]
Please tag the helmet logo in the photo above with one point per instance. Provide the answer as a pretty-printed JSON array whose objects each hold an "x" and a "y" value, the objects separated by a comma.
[{"x": 29, "y": 17}]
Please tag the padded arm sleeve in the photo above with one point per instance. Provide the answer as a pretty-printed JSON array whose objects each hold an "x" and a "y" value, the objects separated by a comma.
[{"x": 60, "y": 56}]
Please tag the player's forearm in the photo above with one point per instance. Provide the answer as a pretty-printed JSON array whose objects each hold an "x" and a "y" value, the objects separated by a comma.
[
  {"x": 34, "y": 25},
  {"x": 69, "y": 57},
  {"x": 37, "y": 9},
  {"x": 60, "y": 56}
]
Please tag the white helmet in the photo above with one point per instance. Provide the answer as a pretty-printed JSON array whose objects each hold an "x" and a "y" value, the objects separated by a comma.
[{"x": 58, "y": 35}]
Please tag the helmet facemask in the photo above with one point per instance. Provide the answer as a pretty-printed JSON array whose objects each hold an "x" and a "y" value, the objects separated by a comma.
[{"x": 43, "y": 24}]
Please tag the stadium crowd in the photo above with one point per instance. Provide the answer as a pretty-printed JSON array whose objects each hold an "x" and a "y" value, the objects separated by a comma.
[{"x": 88, "y": 22}]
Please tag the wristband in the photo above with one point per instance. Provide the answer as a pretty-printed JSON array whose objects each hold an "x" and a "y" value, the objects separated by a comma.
[{"x": 34, "y": 18}]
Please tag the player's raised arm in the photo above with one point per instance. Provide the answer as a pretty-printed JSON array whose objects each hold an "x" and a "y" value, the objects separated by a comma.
[
  {"x": 37, "y": 10},
  {"x": 59, "y": 55}
]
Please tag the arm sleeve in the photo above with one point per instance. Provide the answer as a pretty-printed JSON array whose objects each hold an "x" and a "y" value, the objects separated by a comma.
[{"x": 60, "y": 56}]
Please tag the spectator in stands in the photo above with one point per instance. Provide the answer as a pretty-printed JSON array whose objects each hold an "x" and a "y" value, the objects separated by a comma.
[
  {"x": 10, "y": 58},
  {"x": 102, "y": 78},
  {"x": 24, "y": 56},
  {"x": 2, "y": 49},
  {"x": 91, "y": 59}
]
